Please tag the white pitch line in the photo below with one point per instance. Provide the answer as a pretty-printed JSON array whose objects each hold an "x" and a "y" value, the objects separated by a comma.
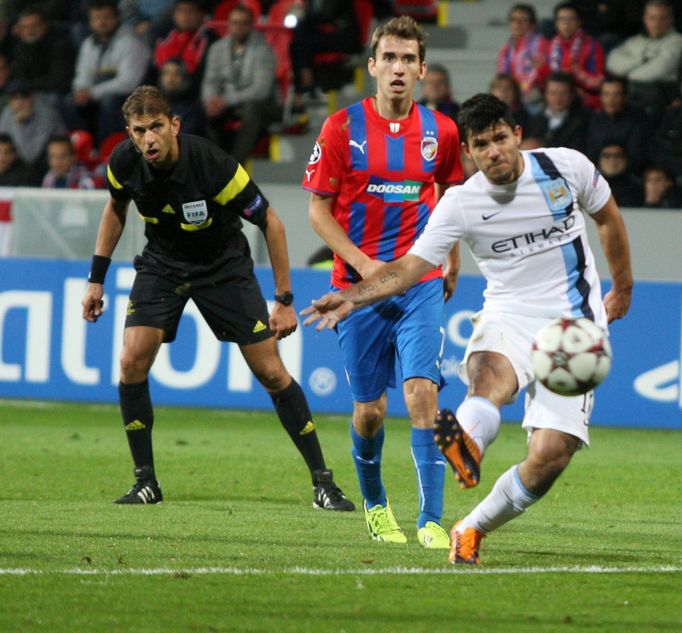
[{"x": 307, "y": 571}]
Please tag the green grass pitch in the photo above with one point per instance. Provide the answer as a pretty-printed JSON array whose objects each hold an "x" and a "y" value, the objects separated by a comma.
[{"x": 237, "y": 546}]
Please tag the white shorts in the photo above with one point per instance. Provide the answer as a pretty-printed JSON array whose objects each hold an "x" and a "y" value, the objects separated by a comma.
[{"x": 512, "y": 336}]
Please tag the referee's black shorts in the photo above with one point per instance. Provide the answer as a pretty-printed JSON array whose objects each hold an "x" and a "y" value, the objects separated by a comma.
[{"x": 229, "y": 299}]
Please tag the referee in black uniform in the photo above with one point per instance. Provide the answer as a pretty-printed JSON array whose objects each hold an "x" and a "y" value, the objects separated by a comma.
[{"x": 192, "y": 197}]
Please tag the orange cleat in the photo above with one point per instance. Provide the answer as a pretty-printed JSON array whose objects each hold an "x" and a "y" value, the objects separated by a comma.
[
  {"x": 465, "y": 545},
  {"x": 459, "y": 449}
]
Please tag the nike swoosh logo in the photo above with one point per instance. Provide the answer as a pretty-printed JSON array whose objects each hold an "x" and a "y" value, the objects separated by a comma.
[{"x": 492, "y": 215}]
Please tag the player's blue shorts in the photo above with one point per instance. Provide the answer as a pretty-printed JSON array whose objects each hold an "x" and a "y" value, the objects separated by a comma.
[{"x": 408, "y": 329}]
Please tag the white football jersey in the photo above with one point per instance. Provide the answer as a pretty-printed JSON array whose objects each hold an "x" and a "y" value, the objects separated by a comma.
[{"x": 529, "y": 237}]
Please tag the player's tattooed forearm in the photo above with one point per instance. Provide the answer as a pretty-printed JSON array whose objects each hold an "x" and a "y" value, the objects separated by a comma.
[
  {"x": 388, "y": 277},
  {"x": 367, "y": 289}
]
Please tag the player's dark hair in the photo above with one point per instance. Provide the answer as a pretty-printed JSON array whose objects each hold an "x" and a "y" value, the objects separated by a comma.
[
  {"x": 146, "y": 100},
  {"x": 481, "y": 111},
  {"x": 402, "y": 28},
  {"x": 528, "y": 9}
]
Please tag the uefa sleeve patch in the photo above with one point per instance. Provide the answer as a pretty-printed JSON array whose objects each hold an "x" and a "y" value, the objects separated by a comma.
[
  {"x": 315, "y": 155},
  {"x": 255, "y": 209}
]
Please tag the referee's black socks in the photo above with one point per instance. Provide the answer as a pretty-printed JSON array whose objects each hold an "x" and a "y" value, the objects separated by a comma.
[
  {"x": 294, "y": 414},
  {"x": 138, "y": 419}
]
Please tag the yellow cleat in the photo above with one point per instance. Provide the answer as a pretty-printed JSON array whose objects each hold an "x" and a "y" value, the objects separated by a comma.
[
  {"x": 382, "y": 525},
  {"x": 433, "y": 536}
]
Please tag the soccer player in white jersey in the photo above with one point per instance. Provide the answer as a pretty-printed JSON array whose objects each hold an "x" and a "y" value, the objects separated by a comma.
[{"x": 522, "y": 217}]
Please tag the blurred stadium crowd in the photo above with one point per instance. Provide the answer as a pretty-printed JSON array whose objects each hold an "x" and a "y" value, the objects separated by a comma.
[{"x": 602, "y": 77}]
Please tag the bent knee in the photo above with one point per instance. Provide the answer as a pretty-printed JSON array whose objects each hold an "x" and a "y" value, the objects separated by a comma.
[
  {"x": 273, "y": 376},
  {"x": 368, "y": 416},
  {"x": 134, "y": 367}
]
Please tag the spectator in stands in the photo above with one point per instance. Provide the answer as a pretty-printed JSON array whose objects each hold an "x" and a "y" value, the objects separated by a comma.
[
  {"x": 64, "y": 171},
  {"x": 175, "y": 83},
  {"x": 13, "y": 171},
  {"x": 505, "y": 87},
  {"x": 5, "y": 78},
  {"x": 42, "y": 55},
  {"x": 614, "y": 165},
  {"x": 150, "y": 19},
  {"x": 239, "y": 89},
  {"x": 666, "y": 146},
  {"x": 575, "y": 52},
  {"x": 524, "y": 56},
  {"x": 660, "y": 190},
  {"x": 618, "y": 122},
  {"x": 189, "y": 41},
  {"x": 30, "y": 120},
  {"x": 436, "y": 91},
  {"x": 327, "y": 26},
  {"x": 650, "y": 61},
  {"x": 610, "y": 21},
  {"x": 111, "y": 63},
  {"x": 53, "y": 10},
  {"x": 563, "y": 121}
]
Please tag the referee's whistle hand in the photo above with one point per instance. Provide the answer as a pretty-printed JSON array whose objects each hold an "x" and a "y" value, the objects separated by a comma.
[
  {"x": 92, "y": 303},
  {"x": 283, "y": 321}
]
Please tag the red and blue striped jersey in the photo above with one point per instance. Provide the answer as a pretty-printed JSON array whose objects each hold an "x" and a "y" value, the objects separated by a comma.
[{"x": 382, "y": 174}]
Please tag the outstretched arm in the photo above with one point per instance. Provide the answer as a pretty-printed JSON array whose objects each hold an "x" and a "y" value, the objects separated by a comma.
[
  {"x": 390, "y": 279},
  {"x": 614, "y": 241}
]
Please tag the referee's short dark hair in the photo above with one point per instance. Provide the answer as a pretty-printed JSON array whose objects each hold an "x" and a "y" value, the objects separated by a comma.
[{"x": 146, "y": 100}]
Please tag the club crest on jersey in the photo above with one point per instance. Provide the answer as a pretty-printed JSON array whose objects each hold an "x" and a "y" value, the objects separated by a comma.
[
  {"x": 195, "y": 212},
  {"x": 315, "y": 155},
  {"x": 429, "y": 147},
  {"x": 557, "y": 193}
]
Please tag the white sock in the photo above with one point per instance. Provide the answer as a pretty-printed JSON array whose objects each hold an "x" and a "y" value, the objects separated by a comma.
[
  {"x": 480, "y": 418},
  {"x": 506, "y": 500}
]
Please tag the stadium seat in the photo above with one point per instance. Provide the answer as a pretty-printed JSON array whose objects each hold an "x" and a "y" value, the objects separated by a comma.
[
  {"x": 333, "y": 69},
  {"x": 224, "y": 7},
  {"x": 279, "y": 11},
  {"x": 83, "y": 144},
  {"x": 421, "y": 10},
  {"x": 108, "y": 144}
]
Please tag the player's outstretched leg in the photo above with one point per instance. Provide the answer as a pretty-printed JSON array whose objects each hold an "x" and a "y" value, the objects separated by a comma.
[
  {"x": 294, "y": 414},
  {"x": 465, "y": 545},
  {"x": 138, "y": 419},
  {"x": 458, "y": 447}
]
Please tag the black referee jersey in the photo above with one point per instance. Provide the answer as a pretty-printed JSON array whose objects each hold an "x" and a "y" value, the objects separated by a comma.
[{"x": 193, "y": 211}]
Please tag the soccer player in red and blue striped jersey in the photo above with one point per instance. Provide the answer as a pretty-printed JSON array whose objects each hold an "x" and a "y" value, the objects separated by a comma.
[{"x": 375, "y": 174}]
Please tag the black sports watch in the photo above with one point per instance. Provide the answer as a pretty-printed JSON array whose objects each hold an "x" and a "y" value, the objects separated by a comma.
[{"x": 286, "y": 298}]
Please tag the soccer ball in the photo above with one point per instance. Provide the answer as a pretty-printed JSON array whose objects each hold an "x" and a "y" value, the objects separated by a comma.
[{"x": 571, "y": 356}]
